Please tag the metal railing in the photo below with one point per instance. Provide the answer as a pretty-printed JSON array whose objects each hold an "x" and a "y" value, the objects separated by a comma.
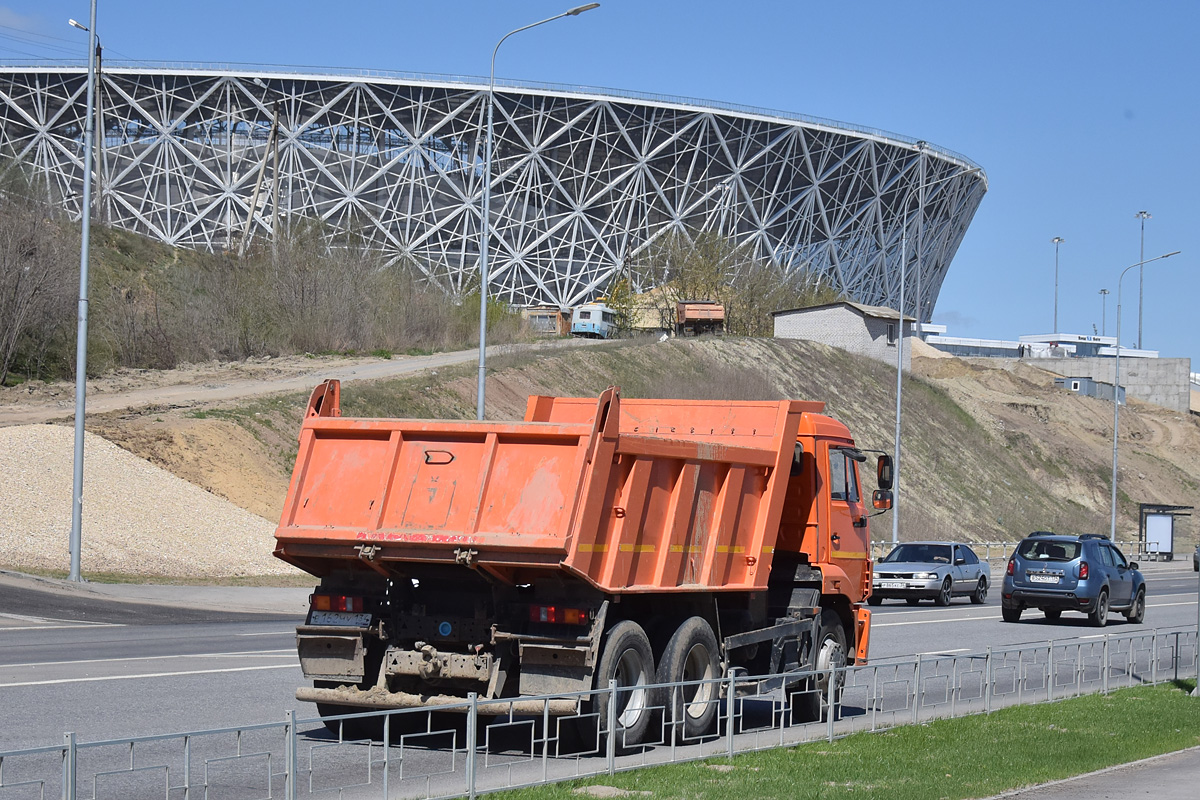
[{"x": 480, "y": 746}]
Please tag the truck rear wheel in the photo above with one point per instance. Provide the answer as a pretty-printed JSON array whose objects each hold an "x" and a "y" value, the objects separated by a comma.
[
  {"x": 691, "y": 655},
  {"x": 628, "y": 660},
  {"x": 829, "y": 653}
]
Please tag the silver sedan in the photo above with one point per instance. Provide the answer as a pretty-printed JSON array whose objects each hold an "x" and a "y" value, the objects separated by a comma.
[{"x": 938, "y": 571}]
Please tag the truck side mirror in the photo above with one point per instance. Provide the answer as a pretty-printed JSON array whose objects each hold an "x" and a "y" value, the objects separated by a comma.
[
  {"x": 883, "y": 471},
  {"x": 881, "y": 499}
]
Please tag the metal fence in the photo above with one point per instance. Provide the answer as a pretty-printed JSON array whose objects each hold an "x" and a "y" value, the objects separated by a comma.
[{"x": 482, "y": 746}]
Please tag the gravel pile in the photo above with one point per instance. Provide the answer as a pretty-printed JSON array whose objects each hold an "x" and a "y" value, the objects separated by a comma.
[{"x": 137, "y": 518}]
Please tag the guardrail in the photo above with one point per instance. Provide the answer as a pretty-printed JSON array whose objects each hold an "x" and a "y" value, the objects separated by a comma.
[{"x": 480, "y": 746}]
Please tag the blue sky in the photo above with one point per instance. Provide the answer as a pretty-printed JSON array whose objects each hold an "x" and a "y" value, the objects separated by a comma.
[{"x": 1082, "y": 113}]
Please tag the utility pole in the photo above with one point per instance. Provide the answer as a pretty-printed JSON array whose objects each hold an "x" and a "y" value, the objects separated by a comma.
[{"x": 1143, "y": 216}]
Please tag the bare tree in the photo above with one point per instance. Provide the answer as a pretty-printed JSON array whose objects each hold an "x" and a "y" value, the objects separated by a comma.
[
  {"x": 712, "y": 267},
  {"x": 37, "y": 255}
]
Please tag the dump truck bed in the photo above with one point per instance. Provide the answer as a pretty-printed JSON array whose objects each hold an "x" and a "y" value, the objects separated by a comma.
[{"x": 628, "y": 495}]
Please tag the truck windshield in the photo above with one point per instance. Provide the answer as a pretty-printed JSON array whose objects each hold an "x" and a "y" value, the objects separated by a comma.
[
  {"x": 919, "y": 554},
  {"x": 1041, "y": 550}
]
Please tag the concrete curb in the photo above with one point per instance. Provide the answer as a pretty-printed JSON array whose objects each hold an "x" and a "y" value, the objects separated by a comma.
[{"x": 1097, "y": 773}]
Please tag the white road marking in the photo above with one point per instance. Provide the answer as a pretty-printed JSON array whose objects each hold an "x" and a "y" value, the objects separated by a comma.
[
  {"x": 5, "y": 628},
  {"x": 148, "y": 675},
  {"x": 290, "y": 652},
  {"x": 290, "y": 632},
  {"x": 73, "y": 623},
  {"x": 930, "y": 621}
]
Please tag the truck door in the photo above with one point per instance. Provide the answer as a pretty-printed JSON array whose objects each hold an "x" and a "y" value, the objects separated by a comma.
[{"x": 847, "y": 519}]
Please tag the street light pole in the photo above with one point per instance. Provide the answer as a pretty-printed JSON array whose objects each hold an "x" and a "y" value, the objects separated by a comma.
[
  {"x": 485, "y": 225},
  {"x": 76, "y": 539},
  {"x": 1104, "y": 312},
  {"x": 1112, "y": 528},
  {"x": 1057, "y": 240},
  {"x": 1143, "y": 216},
  {"x": 900, "y": 325}
]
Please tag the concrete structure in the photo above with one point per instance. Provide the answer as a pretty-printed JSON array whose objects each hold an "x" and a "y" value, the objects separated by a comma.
[
  {"x": 584, "y": 181},
  {"x": 1162, "y": 381},
  {"x": 862, "y": 329}
]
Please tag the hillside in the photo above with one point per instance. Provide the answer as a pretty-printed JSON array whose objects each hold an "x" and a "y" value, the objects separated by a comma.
[{"x": 992, "y": 449}]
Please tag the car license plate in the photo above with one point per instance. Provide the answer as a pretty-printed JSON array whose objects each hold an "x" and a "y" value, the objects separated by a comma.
[
  {"x": 891, "y": 585},
  {"x": 1043, "y": 579},
  {"x": 342, "y": 618}
]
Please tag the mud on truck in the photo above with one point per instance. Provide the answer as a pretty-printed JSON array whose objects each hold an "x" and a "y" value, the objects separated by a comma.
[{"x": 600, "y": 539}]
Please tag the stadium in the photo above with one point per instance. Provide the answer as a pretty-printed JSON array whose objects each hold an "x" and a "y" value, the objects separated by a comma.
[{"x": 583, "y": 181}]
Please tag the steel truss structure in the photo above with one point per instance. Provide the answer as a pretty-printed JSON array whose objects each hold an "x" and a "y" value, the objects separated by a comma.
[{"x": 583, "y": 181}]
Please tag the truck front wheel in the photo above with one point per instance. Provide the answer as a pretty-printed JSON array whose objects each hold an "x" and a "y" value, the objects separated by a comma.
[
  {"x": 627, "y": 660},
  {"x": 691, "y": 660},
  {"x": 828, "y": 656}
]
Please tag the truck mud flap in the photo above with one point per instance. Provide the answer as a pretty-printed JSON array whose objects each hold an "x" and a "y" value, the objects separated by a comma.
[
  {"x": 862, "y": 629},
  {"x": 377, "y": 698},
  {"x": 331, "y": 654}
]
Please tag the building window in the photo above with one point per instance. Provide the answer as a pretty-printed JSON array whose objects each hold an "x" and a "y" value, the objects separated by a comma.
[
  {"x": 891, "y": 334},
  {"x": 1074, "y": 386}
]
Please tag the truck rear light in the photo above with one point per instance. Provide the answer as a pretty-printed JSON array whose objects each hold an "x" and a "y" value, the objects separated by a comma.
[
  {"x": 336, "y": 602},
  {"x": 1083, "y": 570},
  {"x": 558, "y": 614},
  {"x": 1009, "y": 569}
]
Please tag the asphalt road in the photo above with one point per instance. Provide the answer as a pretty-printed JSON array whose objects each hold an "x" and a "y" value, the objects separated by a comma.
[
  {"x": 901, "y": 630},
  {"x": 109, "y": 669}
]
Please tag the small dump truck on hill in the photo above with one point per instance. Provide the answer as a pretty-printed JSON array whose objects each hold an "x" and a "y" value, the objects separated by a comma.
[
  {"x": 695, "y": 317},
  {"x": 601, "y": 539}
]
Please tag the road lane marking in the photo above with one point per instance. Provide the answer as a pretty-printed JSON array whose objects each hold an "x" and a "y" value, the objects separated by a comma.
[
  {"x": 52, "y": 622},
  {"x": 5, "y": 628},
  {"x": 289, "y": 652},
  {"x": 929, "y": 621},
  {"x": 148, "y": 675}
]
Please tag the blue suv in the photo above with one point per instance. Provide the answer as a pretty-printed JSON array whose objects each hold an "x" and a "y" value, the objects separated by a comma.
[{"x": 1072, "y": 573}]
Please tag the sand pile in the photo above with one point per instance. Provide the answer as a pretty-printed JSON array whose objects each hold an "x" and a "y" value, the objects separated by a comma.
[{"x": 137, "y": 518}]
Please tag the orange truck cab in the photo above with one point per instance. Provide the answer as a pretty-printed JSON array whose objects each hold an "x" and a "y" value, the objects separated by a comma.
[{"x": 599, "y": 540}]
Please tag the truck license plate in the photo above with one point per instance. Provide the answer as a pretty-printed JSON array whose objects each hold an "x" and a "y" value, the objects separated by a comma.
[
  {"x": 1043, "y": 579},
  {"x": 891, "y": 585},
  {"x": 343, "y": 618}
]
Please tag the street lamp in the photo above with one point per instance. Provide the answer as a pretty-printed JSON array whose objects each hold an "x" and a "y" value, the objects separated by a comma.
[
  {"x": 900, "y": 325},
  {"x": 1112, "y": 529},
  {"x": 1143, "y": 216},
  {"x": 76, "y": 540},
  {"x": 1104, "y": 312},
  {"x": 1057, "y": 240},
  {"x": 485, "y": 235}
]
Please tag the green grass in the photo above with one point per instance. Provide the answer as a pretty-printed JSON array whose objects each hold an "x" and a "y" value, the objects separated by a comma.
[{"x": 975, "y": 756}]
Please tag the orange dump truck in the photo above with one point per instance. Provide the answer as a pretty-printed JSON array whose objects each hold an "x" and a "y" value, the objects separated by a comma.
[
  {"x": 694, "y": 317},
  {"x": 601, "y": 539}
]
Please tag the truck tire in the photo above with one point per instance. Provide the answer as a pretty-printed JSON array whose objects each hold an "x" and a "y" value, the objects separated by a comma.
[
  {"x": 347, "y": 729},
  {"x": 829, "y": 652},
  {"x": 627, "y": 659},
  {"x": 691, "y": 655}
]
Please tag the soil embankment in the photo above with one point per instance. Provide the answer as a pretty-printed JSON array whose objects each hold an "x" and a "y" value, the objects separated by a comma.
[{"x": 991, "y": 449}]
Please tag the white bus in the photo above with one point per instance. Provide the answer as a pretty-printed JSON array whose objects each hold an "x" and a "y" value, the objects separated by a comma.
[{"x": 594, "y": 321}]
